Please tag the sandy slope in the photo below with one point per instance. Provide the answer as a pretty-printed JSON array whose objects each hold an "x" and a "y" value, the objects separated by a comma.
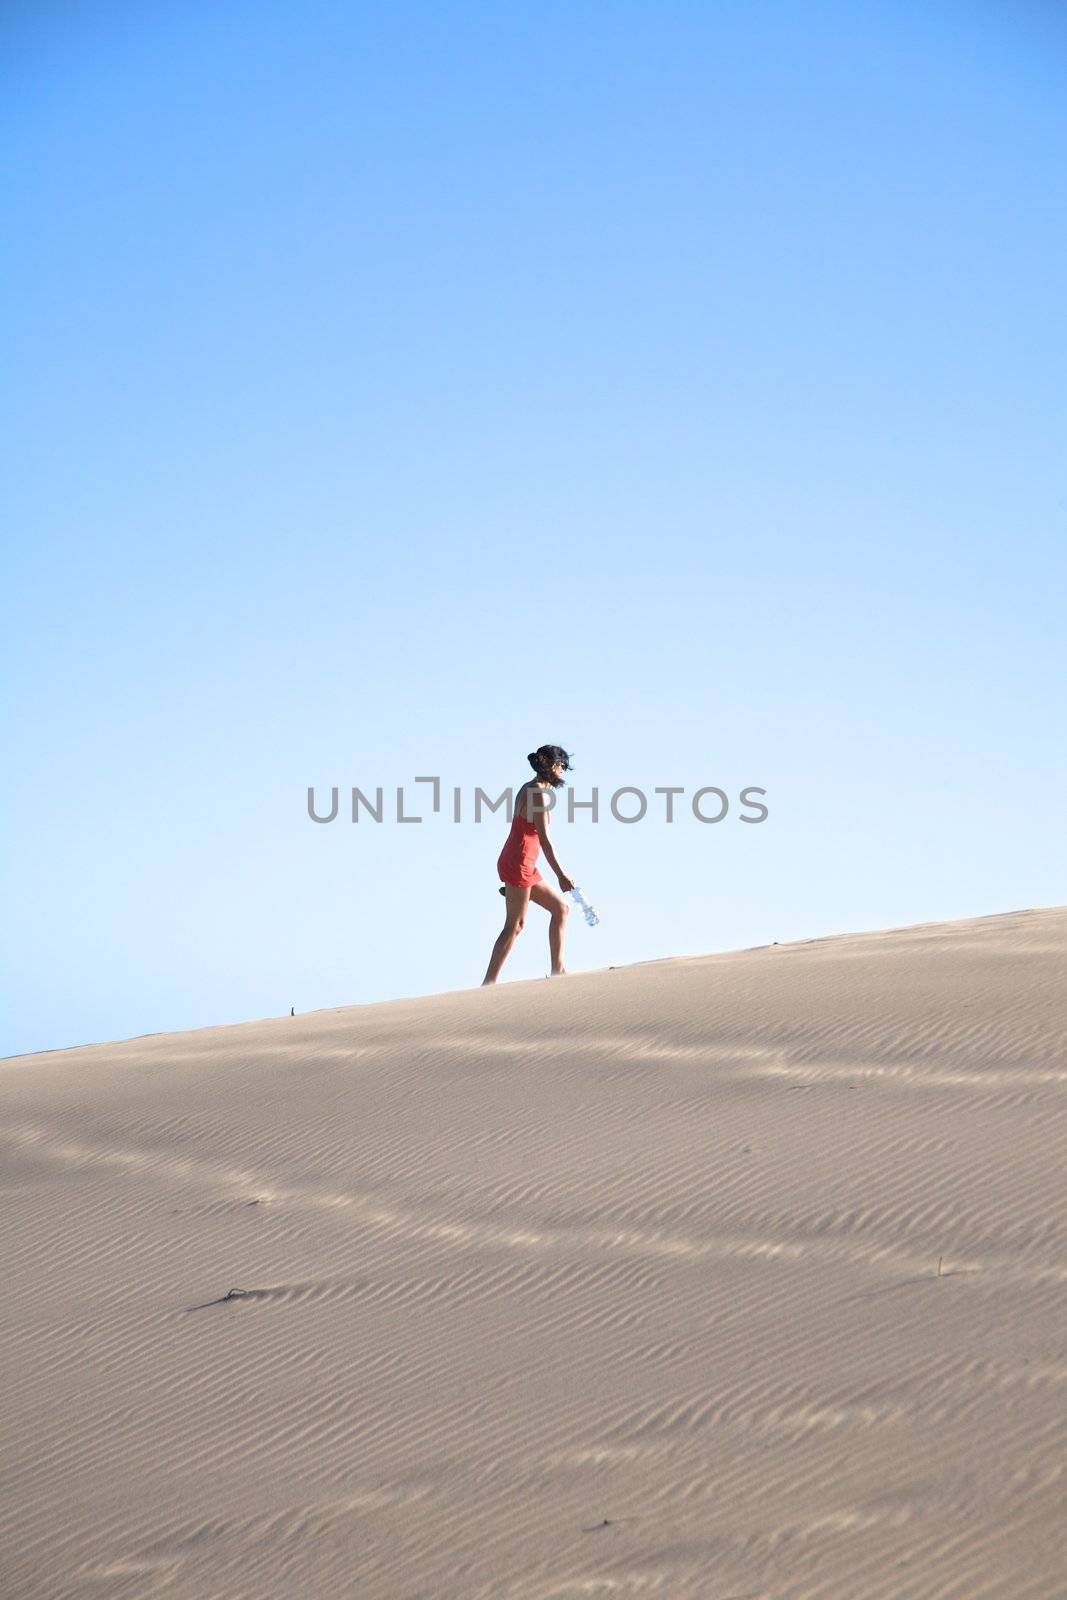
[{"x": 619, "y": 1285}]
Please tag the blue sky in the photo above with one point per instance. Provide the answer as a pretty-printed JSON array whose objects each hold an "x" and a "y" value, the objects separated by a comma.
[{"x": 395, "y": 388}]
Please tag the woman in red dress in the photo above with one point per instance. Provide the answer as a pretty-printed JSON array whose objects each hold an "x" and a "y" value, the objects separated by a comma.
[{"x": 517, "y": 865}]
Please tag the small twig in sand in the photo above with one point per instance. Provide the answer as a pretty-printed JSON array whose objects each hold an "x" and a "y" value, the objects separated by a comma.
[
  {"x": 223, "y": 1299},
  {"x": 939, "y": 1261}
]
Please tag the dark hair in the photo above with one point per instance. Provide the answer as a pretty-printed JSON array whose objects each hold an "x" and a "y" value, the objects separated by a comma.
[{"x": 544, "y": 759}]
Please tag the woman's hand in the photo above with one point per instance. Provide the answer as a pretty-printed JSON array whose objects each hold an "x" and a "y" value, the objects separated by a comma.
[{"x": 565, "y": 883}]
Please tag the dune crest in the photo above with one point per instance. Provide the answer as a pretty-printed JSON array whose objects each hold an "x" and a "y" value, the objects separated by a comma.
[{"x": 742, "y": 1275}]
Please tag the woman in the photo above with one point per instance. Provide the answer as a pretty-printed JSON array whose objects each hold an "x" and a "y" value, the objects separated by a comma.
[{"x": 517, "y": 866}]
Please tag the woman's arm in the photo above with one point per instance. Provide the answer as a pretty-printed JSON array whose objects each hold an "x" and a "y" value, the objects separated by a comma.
[{"x": 541, "y": 823}]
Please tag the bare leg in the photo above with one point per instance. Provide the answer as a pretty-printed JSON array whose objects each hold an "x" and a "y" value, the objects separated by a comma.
[
  {"x": 516, "y": 901},
  {"x": 558, "y": 910}
]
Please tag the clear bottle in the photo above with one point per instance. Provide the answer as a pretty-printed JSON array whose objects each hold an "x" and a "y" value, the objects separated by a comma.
[{"x": 590, "y": 915}]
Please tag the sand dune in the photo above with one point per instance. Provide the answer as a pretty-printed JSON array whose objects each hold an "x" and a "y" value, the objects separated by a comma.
[{"x": 740, "y": 1277}]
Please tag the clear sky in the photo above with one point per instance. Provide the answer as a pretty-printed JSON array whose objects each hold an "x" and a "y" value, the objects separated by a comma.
[{"x": 395, "y": 388}]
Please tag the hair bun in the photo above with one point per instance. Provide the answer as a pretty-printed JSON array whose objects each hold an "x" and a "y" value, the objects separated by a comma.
[{"x": 532, "y": 758}]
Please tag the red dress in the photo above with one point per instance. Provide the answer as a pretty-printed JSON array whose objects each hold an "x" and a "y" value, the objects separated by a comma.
[{"x": 517, "y": 862}]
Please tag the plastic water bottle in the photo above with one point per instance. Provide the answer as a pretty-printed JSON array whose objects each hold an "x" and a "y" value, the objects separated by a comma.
[{"x": 590, "y": 915}]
